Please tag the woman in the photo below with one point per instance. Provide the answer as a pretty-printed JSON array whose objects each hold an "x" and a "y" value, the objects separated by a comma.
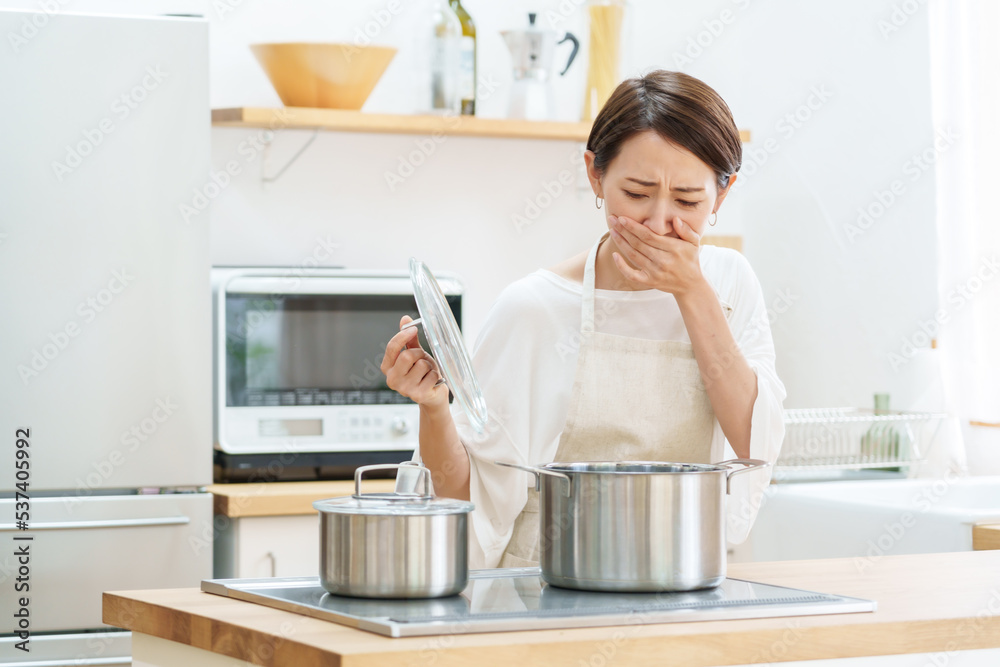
[{"x": 647, "y": 347}]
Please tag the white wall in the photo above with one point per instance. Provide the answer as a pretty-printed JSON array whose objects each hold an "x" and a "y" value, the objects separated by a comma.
[
  {"x": 804, "y": 179},
  {"x": 853, "y": 300},
  {"x": 455, "y": 211}
]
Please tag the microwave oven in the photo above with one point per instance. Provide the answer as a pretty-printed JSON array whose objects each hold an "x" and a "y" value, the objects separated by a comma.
[{"x": 298, "y": 392}]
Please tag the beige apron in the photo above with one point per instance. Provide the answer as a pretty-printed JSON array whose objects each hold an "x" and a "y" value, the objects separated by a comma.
[{"x": 632, "y": 400}]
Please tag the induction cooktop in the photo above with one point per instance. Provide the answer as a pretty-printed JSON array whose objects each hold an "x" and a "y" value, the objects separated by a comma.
[{"x": 517, "y": 599}]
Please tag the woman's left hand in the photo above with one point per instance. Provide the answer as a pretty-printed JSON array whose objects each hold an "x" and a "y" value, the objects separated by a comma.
[{"x": 660, "y": 262}]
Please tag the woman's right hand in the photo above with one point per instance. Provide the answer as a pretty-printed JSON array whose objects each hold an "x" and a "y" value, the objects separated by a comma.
[{"x": 411, "y": 371}]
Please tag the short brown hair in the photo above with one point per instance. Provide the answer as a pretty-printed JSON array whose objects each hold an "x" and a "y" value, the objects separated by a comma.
[{"x": 679, "y": 108}]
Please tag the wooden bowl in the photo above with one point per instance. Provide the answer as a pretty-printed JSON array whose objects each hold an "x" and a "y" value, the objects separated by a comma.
[{"x": 326, "y": 75}]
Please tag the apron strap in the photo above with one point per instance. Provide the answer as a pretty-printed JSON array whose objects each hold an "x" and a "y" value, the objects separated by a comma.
[{"x": 589, "y": 279}]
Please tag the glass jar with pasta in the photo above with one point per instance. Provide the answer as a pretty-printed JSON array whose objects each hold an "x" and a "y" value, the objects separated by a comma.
[{"x": 606, "y": 23}]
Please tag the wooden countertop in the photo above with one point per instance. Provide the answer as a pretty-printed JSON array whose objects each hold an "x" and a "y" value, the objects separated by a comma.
[
  {"x": 926, "y": 603},
  {"x": 285, "y": 498}
]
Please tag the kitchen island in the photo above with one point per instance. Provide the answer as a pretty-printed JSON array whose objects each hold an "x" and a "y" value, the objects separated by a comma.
[{"x": 938, "y": 604}]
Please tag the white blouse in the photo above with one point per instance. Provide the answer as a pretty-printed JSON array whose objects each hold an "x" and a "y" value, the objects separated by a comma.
[{"x": 525, "y": 359}]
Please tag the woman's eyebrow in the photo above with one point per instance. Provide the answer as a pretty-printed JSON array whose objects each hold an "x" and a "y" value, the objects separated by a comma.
[
  {"x": 681, "y": 188},
  {"x": 640, "y": 182}
]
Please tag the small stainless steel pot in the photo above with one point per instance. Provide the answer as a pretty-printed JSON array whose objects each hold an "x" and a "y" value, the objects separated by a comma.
[
  {"x": 393, "y": 545},
  {"x": 634, "y": 526}
]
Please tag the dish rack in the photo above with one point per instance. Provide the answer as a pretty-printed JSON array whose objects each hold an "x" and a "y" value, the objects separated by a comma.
[{"x": 822, "y": 443}]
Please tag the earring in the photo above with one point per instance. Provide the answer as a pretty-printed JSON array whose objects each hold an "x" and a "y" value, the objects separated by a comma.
[
  {"x": 715, "y": 219},
  {"x": 598, "y": 201}
]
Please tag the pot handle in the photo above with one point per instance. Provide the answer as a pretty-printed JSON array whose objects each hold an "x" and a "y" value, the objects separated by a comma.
[
  {"x": 751, "y": 464},
  {"x": 411, "y": 465},
  {"x": 536, "y": 471}
]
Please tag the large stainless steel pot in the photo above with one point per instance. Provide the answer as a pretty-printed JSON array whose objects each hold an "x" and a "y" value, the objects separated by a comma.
[
  {"x": 393, "y": 545},
  {"x": 634, "y": 526}
]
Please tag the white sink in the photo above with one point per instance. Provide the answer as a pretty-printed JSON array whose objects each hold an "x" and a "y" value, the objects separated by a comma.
[{"x": 869, "y": 519}]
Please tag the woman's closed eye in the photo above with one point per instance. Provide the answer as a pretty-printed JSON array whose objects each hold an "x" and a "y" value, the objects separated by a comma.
[{"x": 639, "y": 195}]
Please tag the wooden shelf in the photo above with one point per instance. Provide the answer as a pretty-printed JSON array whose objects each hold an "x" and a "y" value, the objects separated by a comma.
[
  {"x": 986, "y": 536},
  {"x": 338, "y": 120},
  {"x": 723, "y": 241}
]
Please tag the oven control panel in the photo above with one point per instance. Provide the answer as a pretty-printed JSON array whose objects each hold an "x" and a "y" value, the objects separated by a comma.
[{"x": 320, "y": 428}]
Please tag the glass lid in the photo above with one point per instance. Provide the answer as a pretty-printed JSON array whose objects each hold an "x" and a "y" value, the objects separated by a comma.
[
  {"x": 397, "y": 503},
  {"x": 393, "y": 505},
  {"x": 634, "y": 467},
  {"x": 447, "y": 344}
]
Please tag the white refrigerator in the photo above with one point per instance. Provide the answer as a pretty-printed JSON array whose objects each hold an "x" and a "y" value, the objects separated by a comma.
[{"x": 105, "y": 357}]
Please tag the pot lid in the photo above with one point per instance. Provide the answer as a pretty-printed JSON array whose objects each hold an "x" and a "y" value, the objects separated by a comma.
[
  {"x": 396, "y": 503},
  {"x": 393, "y": 504},
  {"x": 634, "y": 467},
  {"x": 447, "y": 345}
]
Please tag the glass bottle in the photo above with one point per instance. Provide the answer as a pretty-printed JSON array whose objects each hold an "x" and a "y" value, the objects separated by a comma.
[
  {"x": 446, "y": 36},
  {"x": 466, "y": 60},
  {"x": 606, "y": 19}
]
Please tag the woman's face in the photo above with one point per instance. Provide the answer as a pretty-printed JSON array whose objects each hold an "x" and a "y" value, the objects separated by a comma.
[{"x": 656, "y": 182}]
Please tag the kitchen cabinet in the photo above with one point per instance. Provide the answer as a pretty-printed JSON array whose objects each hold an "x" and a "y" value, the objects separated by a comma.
[
  {"x": 932, "y": 609},
  {"x": 266, "y": 546},
  {"x": 271, "y": 530}
]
